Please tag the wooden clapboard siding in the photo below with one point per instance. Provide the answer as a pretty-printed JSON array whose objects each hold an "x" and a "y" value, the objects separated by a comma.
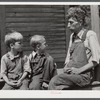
[
  {"x": 47, "y": 20},
  {"x": 35, "y": 10},
  {"x": 2, "y": 30}
]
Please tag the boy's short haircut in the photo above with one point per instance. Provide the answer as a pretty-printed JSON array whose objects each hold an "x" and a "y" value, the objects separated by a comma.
[
  {"x": 36, "y": 40},
  {"x": 13, "y": 37}
]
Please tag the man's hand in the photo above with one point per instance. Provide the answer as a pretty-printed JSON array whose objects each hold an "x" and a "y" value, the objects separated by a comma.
[
  {"x": 75, "y": 70},
  {"x": 67, "y": 70},
  {"x": 71, "y": 70}
]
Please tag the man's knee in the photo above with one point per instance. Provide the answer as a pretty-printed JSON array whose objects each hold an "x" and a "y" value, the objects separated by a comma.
[
  {"x": 54, "y": 79},
  {"x": 52, "y": 83}
]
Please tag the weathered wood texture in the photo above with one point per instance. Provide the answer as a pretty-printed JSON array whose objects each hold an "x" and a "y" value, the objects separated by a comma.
[
  {"x": 2, "y": 30},
  {"x": 95, "y": 20},
  {"x": 47, "y": 20}
]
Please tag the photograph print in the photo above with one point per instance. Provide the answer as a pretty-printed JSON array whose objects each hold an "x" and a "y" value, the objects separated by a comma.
[{"x": 50, "y": 47}]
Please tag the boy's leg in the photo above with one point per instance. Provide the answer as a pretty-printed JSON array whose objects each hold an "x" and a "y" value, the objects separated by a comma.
[
  {"x": 8, "y": 87},
  {"x": 36, "y": 83},
  {"x": 25, "y": 85},
  {"x": 67, "y": 81},
  {"x": 49, "y": 72}
]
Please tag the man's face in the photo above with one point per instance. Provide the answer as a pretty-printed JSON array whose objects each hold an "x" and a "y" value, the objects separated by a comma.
[{"x": 73, "y": 24}]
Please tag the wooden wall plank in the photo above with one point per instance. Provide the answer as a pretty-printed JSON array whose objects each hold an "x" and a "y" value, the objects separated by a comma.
[
  {"x": 34, "y": 10},
  {"x": 34, "y": 25},
  {"x": 95, "y": 20},
  {"x": 2, "y": 30},
  {"x": 37, "y": 29},
  {"x": 37, "y": 14},
  {"x": 34, "y": 20},
  {"x": 47, "y": 34},
  {"x": 35, "y": 6}
]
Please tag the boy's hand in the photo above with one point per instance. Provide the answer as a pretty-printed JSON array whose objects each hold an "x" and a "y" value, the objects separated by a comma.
[
  {"x": 12, "y": 83},
  {"x": 45, "y": 85},
  {"x": 19, "y": 83}
]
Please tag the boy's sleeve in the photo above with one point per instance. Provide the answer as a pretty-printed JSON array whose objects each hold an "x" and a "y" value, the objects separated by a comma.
[
  {"x": 50, "y": 70},
  {"x": 27, "y": 65},
  {"x": 3, "y": 66}
]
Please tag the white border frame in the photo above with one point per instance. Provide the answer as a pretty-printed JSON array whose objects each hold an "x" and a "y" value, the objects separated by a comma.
[{"x": 49, "y": 93}]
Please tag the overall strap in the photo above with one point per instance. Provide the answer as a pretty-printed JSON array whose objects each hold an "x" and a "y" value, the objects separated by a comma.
[{"x": 84, "y": 35}]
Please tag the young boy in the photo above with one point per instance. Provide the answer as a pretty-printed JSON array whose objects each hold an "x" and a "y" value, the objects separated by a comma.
[
  {"x": 14, "y": 66},
  {"x": 42, "y": 64}
]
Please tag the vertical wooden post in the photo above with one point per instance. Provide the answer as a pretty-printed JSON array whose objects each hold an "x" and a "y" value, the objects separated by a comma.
[
  {"x": 95, "y": 20},
  {"x": 2, "y": 30},
  {"x": 66, "y": 29}
]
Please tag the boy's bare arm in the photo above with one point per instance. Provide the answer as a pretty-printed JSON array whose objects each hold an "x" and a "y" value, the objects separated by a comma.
[
  {"x": 23, "y": 76},
  {"x": 7, "y": 81},
  {"x": 27, "y": 70}
]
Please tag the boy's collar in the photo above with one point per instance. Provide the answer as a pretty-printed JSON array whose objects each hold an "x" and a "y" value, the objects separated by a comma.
[
  {"x": 35, "y": 53},
  {"x": 11, "y": 56}
]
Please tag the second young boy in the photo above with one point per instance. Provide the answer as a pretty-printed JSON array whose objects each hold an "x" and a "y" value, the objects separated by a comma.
[{"x": 42, "y": 64}]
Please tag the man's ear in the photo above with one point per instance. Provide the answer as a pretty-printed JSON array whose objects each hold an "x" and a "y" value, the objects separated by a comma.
[
  {"x": 38, "y": 46},
  {"x": 11, "y": 45}
]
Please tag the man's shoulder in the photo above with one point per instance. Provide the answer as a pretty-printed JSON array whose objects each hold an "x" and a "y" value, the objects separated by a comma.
[{"x": 90, "y": 33}]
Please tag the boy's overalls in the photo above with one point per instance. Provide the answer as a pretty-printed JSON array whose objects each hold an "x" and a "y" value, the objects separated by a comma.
[{"x": 78, "y": 58}]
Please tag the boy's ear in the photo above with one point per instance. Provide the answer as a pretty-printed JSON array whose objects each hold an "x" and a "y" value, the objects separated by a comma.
[{"x": 11, "y": 45}]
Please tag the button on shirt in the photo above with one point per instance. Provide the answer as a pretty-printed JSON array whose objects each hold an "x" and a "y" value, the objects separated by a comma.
[
  {"x": 92, "y": 46},
  {"x": 14, "y": 66}
]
